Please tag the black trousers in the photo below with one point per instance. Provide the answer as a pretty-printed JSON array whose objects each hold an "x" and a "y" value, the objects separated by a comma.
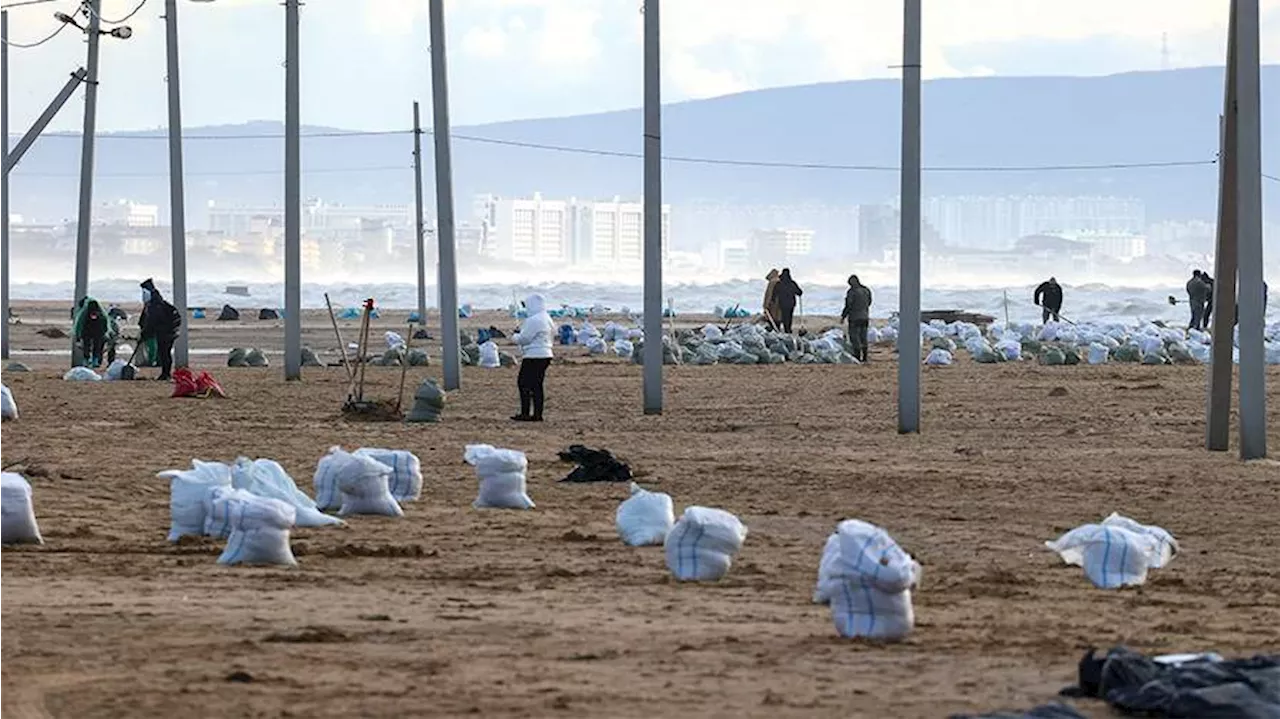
[
  {"x": 788, "y": 315},
  {"x": 533, "y": 372},
  {"x": 164, "y": 348},
  {"x": 1050, "y": 312},
  {"x": 1197, "y": 316},
  {"x": 858, "y": 338},
  {"x": 92, "y": 348}
]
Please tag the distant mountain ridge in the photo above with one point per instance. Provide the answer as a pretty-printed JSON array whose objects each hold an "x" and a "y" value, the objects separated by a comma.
[{"x": 992, "y": 122}]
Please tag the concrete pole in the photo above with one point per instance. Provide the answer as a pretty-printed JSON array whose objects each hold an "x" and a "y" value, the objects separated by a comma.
[
  {"x": 909, "y": 255},
  {"x": 292, "y": 196},
  {"x": 419, "y": 223},
  {"x": 1253, "y": 377},
  {"x": 1222, "y": 367},
  {"x": 84, "y": 219},
  {"x": 448, "y": 268},
  {"x": 4, "y": 184},
  {"x": 653, "y": 334},
  {"x": 177, "y": 197}
]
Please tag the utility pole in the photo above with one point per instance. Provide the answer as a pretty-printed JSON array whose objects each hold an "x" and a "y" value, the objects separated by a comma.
[
  {"x": 1248, "y": 167},
  {"x": 84, "y": 219},
  {"x": 4, "y": 183},
  {"x": 909, "y": 254},
  {"x": 448, "y": 268},
  {"x": 419, "y": 224},
  {"x": 177, "y": 197},
  {"x": 653, "y": 335},
  {"x": 292, "y": 196}
]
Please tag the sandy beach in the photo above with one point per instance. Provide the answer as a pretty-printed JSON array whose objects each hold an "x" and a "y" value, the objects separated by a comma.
[{"x": 454, "y": 611}]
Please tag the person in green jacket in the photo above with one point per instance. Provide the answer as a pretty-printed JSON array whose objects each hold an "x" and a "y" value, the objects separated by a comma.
[{"x": 96, "y": 331}]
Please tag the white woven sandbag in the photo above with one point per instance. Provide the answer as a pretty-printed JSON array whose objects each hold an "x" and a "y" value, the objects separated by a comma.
[
  {"x": 329, "y": 470},
  {"x": 406, "y": 471},
  {"x": 624, "y": 349},
  {"x": 259, "y": 528},
  {"x": 266, "y": 478},
  {"x": 81, "y": 374},
  {"x": 489, "y": 355},
  {"x": 1116, "y": 552},
  {"x": 1098, "y": 353},
  {"x": 115, "y": 371},
  {"x": 502, "y": 477},
  {"x": 702, "y": 545},
  {"x": 867, "y": 582},
  {"x": 8, "y": 407},
  {"x": 17, "y": 515},
  {"x": 365, "y": 484},
  {"x": 645, "y": 517},
  {"x": 188, "y": 493},
  {"x": 938, "y": 358}
]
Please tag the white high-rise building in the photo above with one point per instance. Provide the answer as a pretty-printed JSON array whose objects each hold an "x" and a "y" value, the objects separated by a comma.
[
  {"x": 529, "y": 230},
  {"x": 611, "y": 233},
  {"x": 541, "y": 232}
]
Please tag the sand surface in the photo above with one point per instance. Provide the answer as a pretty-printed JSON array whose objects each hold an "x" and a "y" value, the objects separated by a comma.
[{"x": 453, "y": 611}]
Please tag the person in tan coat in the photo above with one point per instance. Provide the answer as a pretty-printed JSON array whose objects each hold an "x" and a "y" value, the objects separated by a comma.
[{"x": 771, "y": 309}]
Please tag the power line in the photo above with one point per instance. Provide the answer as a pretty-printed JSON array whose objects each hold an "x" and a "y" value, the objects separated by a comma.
[
  {"x": 226, "y": 173},
  {"x": 126, "y": 19},
  {"x": 38, "y": 43},
  {"x": 689, "y": 159},
  {"x": 1273, "y": 178}
]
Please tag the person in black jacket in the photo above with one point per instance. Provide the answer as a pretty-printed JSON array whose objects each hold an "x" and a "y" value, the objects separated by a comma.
[
  {"x": 785, "y": 295},
  {"x": 857, "y": 310},
  {"x": 161, "y": 321},
  {"x": 1198, "y": 298},
  {"x": 1049, "y": 298},
  {"x": 1208, "y": 307}
]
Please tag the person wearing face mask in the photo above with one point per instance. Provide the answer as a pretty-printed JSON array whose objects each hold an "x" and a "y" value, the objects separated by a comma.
[
  {"x": 160, "y": 322},
  {"x": 534, "y": 340}
]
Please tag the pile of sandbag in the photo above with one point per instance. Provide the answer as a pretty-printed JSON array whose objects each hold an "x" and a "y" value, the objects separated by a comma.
[
  {"x": 867, "y": 578},
  {"x": 266, "y": 478},
  {"x": 252, "y": 357},
  {"x": 355, "y": 484},
  {"x": 702, "y": 545},
  {"x": 645, "y": 517},
  {"x": 1116, "y": 552},
  {"x": 17, "y": 515},
  {"x": 502, "y": 477},
  {"x": 8, "y": 407}
]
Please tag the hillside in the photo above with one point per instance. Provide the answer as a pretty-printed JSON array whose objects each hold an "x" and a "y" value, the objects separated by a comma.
[{"x": 1129, "y": 118}]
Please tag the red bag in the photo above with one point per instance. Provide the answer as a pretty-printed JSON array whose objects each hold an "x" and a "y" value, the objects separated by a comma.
[
  {"x": 184, "y": 383},
  {"x": 207, "y": 386}
]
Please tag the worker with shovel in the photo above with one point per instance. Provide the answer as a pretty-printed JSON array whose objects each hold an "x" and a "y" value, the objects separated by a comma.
[
  {"x": 1198, "y": 291},
  {"x": 1048, "y": 297},
  {"x": 161, "y": 322}
]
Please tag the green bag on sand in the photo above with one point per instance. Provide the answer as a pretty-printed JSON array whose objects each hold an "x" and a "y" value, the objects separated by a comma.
[
  {"x": 1053, "y": 357},
  {"x": 236, "y": 357},
  {"x": 419, "y": 358},
  {"x": 150, "y": 354},
  {"x": 428, "y": 403},
  {"x": 1126, "y": 353},
  {"x": 255, "y": 358},
  {"x": 309, "y": 358},
  {"x": 1070, "y": 356}
]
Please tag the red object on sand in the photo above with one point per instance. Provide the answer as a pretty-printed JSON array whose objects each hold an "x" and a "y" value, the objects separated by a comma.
[{"x": 186, "y": 384}]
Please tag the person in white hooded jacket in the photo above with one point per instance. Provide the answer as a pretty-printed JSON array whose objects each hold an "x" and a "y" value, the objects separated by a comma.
[{"x": 534, "y": 339}]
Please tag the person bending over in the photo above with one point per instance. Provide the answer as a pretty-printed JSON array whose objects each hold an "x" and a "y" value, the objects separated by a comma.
[
  {"x": 161, "y": 322},
  {"x": 1049, "y": 298}
]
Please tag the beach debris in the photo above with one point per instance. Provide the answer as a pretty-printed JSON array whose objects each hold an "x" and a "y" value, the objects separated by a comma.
[
  {"x": 428, "y": 403},
  {"x": 187, "y": 384},
  {"x": 81, "y": 374},
  {"x": 309, "y": 358},
  {"x": 867, "y": 578},
  {"x": 502, "y": 477},
  {"x": 17, "y": 367},
  {"x": 354, "y": 484},
  {"x": 406, "y": 471},
  {"x": 594, "y": 465},
  {"x": 257, "y": 527},
  {"x": 228, "y": 314},
  {"x": 8, "y": 407},
  {"x": 1116, "y": 552},
  {"x": 266, "y": 313},
  {"x": 17, "y": 515},
  {"x": 53, "y": 333},
  {"x": 701, "y": 546},
  {"x": 645, "y": 517}
]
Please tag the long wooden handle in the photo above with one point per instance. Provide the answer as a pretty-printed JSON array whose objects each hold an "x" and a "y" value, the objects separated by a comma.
[
  {"x": 404, "y": 367},
  {"x": 342, "y": 346}
]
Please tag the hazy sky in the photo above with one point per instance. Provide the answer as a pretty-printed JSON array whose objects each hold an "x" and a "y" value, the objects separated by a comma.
[{"x": 364, "y": 61}]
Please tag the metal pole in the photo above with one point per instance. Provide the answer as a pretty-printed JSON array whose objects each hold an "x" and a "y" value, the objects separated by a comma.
[
  {"x": 1222, "y": 367},
  {"x": 419, "y": 224},
  {"x": 448, "y": 269},
  {"x": 652, "y": 209},
  {"x": 4, "y": 184},
  {"x": 292, "y": 196},
  {"x": 1253, "y": 379},
  {"x": 909, "y": 254},
  {"x": 177, "y": 197},
  {"x": 55, "y": 106},
  {"x": 84, "y": 219}
]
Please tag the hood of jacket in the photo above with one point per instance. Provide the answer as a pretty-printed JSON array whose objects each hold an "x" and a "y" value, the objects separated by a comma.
[
  {"x": 773, "y": 275},
  {"x": 535, "y": 304}
]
